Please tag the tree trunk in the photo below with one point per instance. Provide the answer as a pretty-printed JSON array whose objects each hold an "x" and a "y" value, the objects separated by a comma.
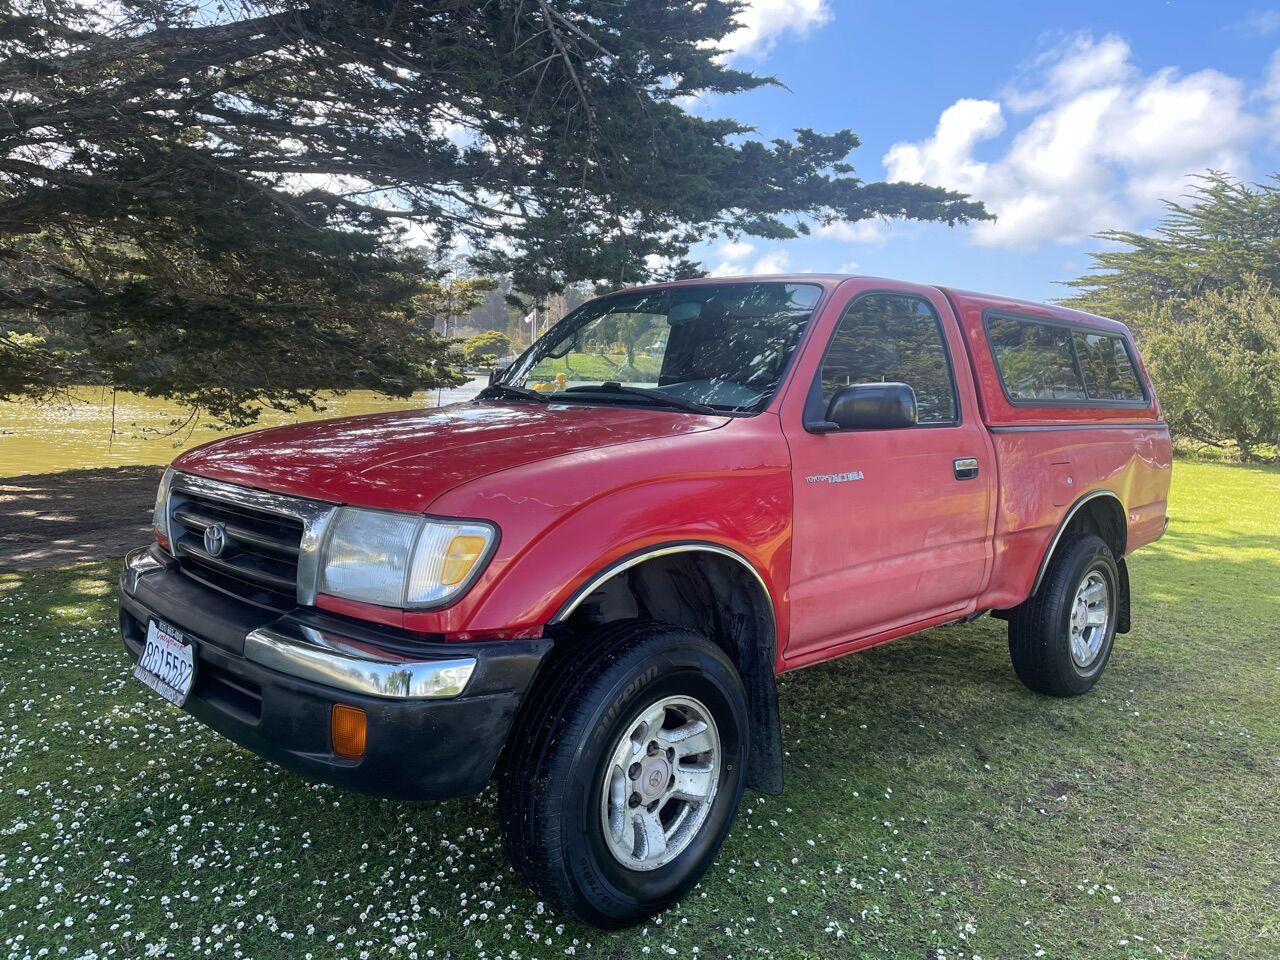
[
  {"x": 629, "y": 341},
  {"x": 1246, "y": 450}
]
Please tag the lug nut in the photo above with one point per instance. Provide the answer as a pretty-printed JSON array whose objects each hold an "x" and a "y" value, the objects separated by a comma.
[{"x": 634, "y": 771}]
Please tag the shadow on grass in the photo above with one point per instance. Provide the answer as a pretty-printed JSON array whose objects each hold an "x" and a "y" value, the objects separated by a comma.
[
  {"x": 55, "y": 519},
  {"x": 53, "y": 600},
  {"x": 1265, "y": 469},
  {"x": 1200, "y": 571}
]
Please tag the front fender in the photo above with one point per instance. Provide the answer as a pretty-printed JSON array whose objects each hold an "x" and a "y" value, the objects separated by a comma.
[
  {"x": 750, "y": 520},
  {"x": 565, "y": 520}
]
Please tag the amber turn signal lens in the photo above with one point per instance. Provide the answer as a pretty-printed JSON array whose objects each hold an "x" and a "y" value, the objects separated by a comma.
[
  {"x": 347, "y": 731},
  {"x": 464, "y": 550}
]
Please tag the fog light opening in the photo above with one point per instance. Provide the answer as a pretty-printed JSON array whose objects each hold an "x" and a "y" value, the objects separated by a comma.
[{"x": 347, "y": 731}]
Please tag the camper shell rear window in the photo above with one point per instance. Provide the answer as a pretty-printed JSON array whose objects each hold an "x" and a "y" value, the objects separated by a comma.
[{"x": 1047, "y": 363}]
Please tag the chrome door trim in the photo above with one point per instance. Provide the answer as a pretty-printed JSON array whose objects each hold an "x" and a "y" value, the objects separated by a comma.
[{"x": 1058, "y": 427}]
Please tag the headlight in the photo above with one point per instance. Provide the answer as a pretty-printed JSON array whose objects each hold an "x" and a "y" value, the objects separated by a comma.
[
  {"x": 401, "y": 560},
  {"x": 160, "y": 515}
]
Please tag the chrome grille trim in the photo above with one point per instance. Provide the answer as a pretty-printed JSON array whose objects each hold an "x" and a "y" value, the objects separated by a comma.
[
  {"x": 314, "y": 515},
  {"x": 196, "y": 518}
]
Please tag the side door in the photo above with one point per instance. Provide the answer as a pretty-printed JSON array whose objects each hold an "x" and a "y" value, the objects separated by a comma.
[{"x": 892, "y": 526}]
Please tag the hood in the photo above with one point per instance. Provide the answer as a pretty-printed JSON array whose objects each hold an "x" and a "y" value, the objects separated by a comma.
[{"x": 406, "y": 459}]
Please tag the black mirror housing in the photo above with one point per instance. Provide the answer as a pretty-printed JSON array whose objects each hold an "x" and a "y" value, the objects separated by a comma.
[{"x": 873, "y": 406}]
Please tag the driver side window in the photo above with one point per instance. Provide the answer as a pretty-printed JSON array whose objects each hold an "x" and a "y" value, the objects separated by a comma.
[{"x": 887, "y": 338}]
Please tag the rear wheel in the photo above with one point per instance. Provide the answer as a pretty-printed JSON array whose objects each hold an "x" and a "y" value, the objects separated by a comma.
[
  {"x": 627, "y": 771},
  {"x": 1060, "y": 639}
]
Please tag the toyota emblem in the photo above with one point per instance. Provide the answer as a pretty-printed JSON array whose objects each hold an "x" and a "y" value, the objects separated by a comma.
[{"x": 215, "y": 539}]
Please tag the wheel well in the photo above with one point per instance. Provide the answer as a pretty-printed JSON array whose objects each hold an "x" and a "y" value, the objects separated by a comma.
[
  {"x": 1101, "y": 513},
  {"x": 719, "y": 596},
  {"x": 1103, "y": 516}
]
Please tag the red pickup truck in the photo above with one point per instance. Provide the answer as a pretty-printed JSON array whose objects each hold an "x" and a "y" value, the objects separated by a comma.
[{"x": 585, "y": 581}]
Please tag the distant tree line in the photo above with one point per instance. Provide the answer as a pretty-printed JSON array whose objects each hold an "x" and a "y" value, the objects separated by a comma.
[
  {"x": 1202, "y": 293},
  {"x": 243, "y": 203}
]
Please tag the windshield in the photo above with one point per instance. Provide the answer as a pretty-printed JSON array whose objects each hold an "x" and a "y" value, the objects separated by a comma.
[{"x": 723, "y": 345}]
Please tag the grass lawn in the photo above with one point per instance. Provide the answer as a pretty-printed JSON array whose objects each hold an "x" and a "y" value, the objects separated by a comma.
[
  {"x": 935, "y": 808},
  {"x": 593, "y": 367}
]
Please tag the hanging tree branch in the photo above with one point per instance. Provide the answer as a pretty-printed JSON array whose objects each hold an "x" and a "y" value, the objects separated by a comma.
[{"x": 239, "y": 183}]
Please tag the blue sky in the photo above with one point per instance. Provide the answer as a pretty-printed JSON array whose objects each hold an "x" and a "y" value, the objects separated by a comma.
[{"x": 1064, "y": 118}]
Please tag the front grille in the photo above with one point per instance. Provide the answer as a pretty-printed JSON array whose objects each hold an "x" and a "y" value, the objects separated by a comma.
[{"x": 260, "y": 547}]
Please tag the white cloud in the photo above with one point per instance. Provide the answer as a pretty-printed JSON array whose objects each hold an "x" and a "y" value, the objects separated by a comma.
[
  {"x": 1261, "y": 23},
  {"x": 1070, "y": 67},
  {"x": 775, "y": 261},
  {"x": 735, "y": 260},
  {"x": 959, "y": 129},
  {"x": 1271, "y": 86},
  {"x": 1101, "y": 145},
  {"x": 733, "y": 255},
  {"x": 761, "y": 22},
  {"x": 869, "y": 232}
]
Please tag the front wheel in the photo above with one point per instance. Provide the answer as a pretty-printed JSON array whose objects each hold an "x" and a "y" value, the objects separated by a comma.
[
  {"x": 626, "y": 772},
  {"x": 1061, "y": 637}
]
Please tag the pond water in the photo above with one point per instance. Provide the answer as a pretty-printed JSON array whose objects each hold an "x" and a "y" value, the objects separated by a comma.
[{"x": 73, "y": 434}]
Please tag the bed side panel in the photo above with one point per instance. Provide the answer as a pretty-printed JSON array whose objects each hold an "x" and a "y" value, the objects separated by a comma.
[{"x": 1045, "y": 471}]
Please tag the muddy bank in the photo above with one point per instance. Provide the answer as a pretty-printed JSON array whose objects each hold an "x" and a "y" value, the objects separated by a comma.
[{"x": 57, "y": 519}]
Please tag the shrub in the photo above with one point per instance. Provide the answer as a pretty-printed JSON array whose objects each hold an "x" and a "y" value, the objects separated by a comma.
[
  {"x": 1215, "y": 361},
  {"x": 486, "y": 347}
]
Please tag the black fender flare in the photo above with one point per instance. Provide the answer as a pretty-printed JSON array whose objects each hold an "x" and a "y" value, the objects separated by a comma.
[{"x": 1123, "y": 616}]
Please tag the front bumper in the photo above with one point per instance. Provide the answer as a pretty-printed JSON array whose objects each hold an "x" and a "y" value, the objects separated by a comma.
[{"x": 438, "y": 714}]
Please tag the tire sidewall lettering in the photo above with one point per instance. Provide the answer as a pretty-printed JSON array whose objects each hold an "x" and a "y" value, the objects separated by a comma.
[
  {"x": 1101, "y": 561},
  {"x": 594, "y": 869}
]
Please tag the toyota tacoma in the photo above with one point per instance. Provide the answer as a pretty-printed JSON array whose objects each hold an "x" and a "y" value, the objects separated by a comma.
[{"x": 584, "y": 582}]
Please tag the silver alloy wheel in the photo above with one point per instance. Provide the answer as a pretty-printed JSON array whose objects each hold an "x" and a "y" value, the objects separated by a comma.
[
  {"x": 1090, "y": 618},
  {"x": 660, "y": 783}
]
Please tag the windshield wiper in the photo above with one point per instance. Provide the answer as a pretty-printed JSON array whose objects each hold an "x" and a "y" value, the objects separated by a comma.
[
  {"x": 658, "y": 396},
  {"x": 496, "y": 391}
]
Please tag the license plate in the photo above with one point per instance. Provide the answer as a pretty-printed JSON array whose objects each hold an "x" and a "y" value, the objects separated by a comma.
[{"x": 168, "y": 663}]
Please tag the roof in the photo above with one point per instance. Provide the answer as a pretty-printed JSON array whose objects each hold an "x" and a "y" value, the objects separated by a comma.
[{"x": 962, "y": 299}]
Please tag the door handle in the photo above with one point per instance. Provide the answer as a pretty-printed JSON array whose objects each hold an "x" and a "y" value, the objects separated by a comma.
[{"x": 965, "y": 468}]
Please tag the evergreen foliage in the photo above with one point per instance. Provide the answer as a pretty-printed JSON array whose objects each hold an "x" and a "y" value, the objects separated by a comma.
[
  {"x": 1216, "y": 364},
  {"x": 1200, "y": 292},
  {"x": 1226, "y": 232},
  {"x": 485, "y": 347},
  {"x": 212, "y": 202}
]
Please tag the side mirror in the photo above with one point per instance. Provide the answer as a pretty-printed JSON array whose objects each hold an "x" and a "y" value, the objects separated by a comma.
[
  {"x": 872, "y": 406},
  {"x": 684, "y": 312}
]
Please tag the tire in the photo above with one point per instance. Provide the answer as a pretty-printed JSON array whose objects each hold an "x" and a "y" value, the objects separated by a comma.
[
  {"x": 1047, "y": 656},
  {"x": 561, "y": 788}
]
